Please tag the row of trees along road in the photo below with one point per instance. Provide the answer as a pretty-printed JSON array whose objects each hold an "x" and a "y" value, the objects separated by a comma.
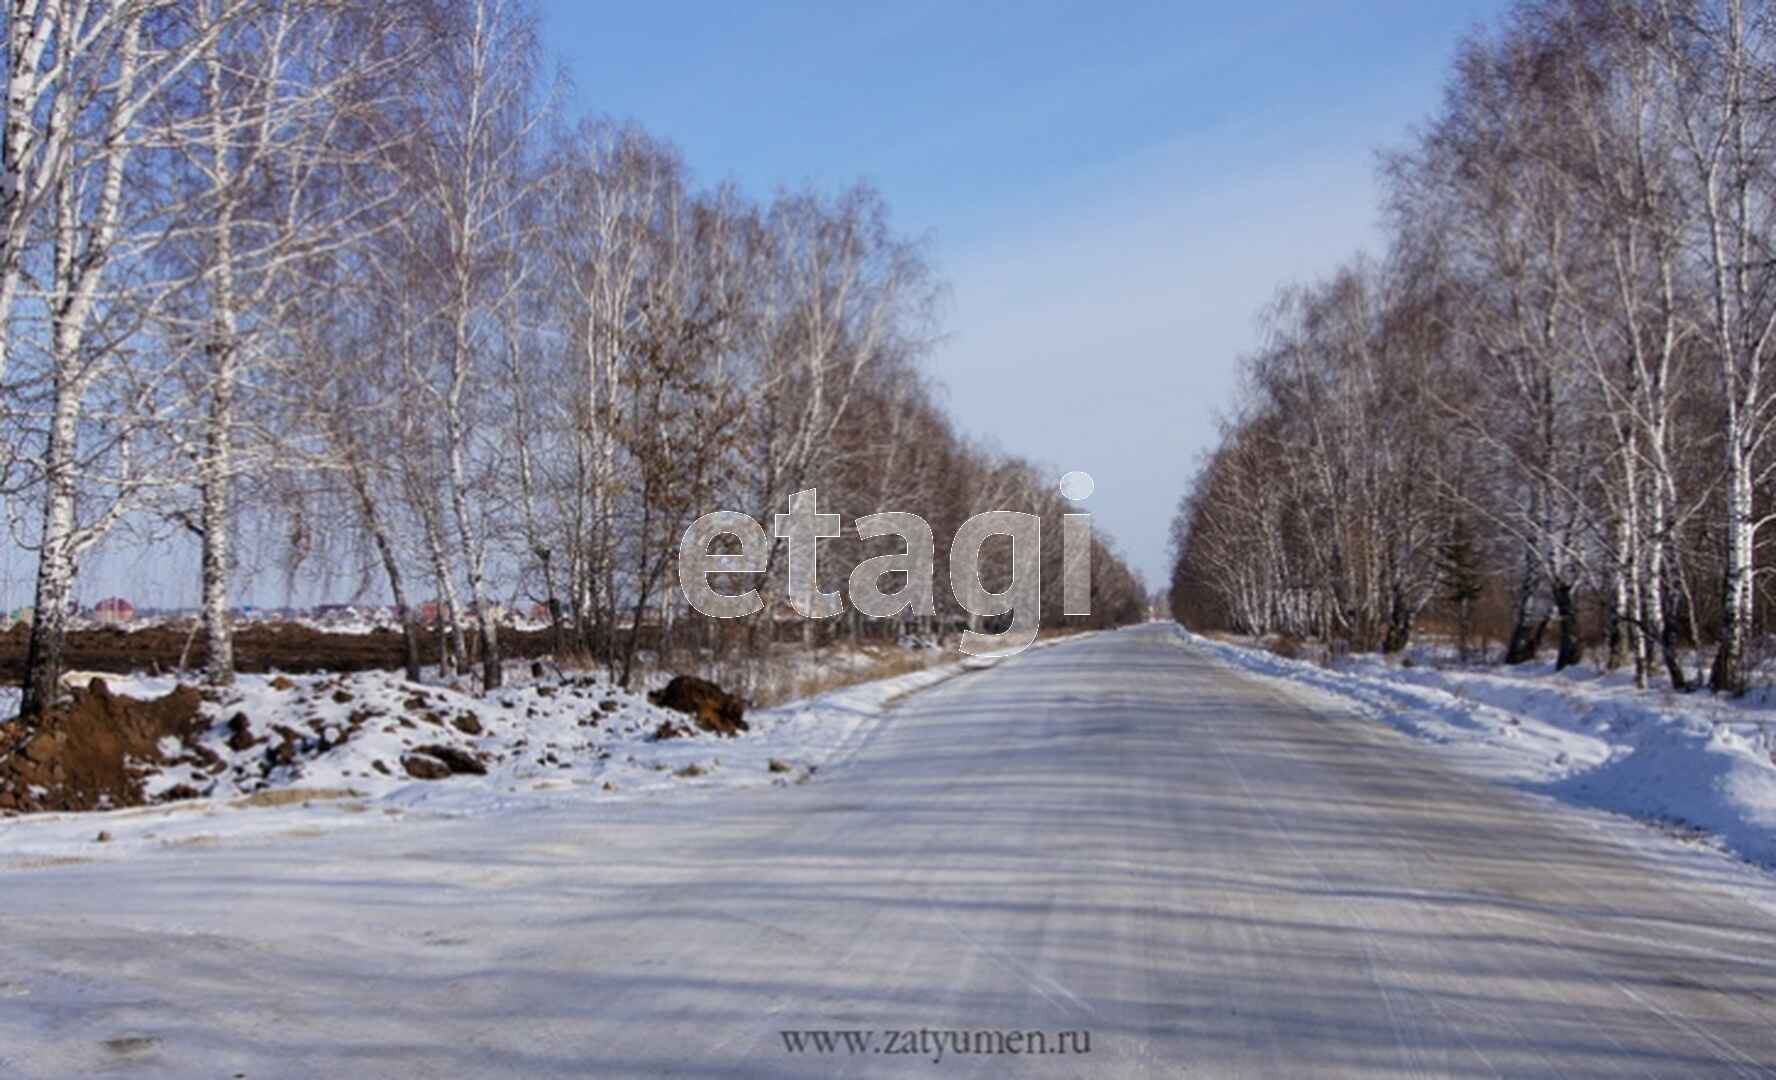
[
  {"x": 336, "y": 271},
  {"x": 1553, "y": 395}
]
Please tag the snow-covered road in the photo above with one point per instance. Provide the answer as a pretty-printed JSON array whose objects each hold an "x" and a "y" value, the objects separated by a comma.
[{"x": 1115, "y": 835}]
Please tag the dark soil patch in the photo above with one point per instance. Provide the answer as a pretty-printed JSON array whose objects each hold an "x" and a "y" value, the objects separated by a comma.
[
  {"x": 92, "y": 752},
  {"x": 421, "y": 767},
  {"x": 670, "y": 730},
  {"x": 457, "y": 761},
  {"x": 714, "y": 709},
  {"x": 258, "y": 648},
  {"x": 240, "y": 733}
]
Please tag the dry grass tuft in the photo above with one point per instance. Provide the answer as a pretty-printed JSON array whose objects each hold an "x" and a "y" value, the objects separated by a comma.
[
  {"x": 286, "y": 796},
  {"x": 200, "y": 840},
  {"x": 1287, "y": 646},
  {"x": 579, "y": 661},
  {"x": 886, "y": 664},
  {"x": 44, "y": 862}
]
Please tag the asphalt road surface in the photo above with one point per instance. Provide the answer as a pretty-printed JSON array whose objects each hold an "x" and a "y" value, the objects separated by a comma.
[{"x": 1113, "y": 837}]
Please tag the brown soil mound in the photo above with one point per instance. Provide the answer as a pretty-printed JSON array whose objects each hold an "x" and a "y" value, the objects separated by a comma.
[
  {"x": 258, "y": 648},
  {"x": 714, "y": 709},
  {"x": 90, "y": 754}
]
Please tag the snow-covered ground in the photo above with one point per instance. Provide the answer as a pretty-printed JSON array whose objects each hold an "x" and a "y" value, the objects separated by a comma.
[
  {"x": 1695, "y": 765},
  {"x": 544, "y": 743},
  {"x": 1117, "y": 835}
]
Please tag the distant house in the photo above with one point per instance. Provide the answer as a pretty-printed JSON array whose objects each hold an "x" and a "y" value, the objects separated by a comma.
[{"x": 113, "y": 610}]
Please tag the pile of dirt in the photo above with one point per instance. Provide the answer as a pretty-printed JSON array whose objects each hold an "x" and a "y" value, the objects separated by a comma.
[
  {"x": 714, "y": 709},
  {"x": 258, "y": 647},
  {"x": 440, "y": 762},
  {"x": 92, "y": 753}
]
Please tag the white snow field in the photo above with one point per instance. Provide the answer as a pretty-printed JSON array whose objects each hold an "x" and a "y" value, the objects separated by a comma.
[{"x": 1212, "y": 873}]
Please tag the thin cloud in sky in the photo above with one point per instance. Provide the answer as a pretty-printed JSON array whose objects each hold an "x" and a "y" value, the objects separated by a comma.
[{"x": 1105, "y": 338}]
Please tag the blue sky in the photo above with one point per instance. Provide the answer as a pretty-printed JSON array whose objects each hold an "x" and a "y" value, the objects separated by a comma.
[{"x": 1112, "y": 191}]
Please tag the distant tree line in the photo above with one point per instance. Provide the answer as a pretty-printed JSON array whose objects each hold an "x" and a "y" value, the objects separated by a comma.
[
  {"x": 1553, "y": 397},
  {"x": 338, "y": 270}
]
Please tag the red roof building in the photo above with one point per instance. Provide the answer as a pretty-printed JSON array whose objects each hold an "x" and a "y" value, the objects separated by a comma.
[{"x": 114, "y": 609}]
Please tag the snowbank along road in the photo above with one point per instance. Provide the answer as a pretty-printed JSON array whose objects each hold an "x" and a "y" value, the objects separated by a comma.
[{"x": 1116, "y": 838}]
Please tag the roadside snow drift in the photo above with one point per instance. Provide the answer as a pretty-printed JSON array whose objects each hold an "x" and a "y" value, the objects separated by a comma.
[{"x": 1693, "y": 764}]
